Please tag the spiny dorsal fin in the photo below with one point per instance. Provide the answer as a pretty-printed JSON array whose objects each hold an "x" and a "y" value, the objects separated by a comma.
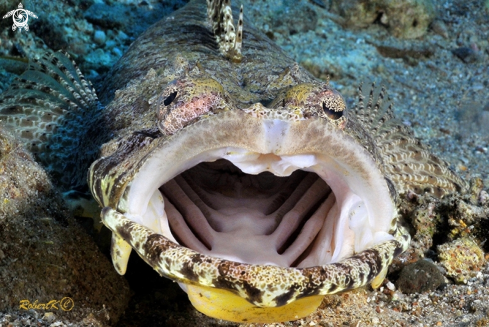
[
  {"x": 407, "y": 162},
  {"x": 229, "y": 39},
  {"x": 55, "y": 111}
]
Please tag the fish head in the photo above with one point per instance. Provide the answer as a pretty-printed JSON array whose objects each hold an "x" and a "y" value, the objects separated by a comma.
[{"x": 257, "y": 210}]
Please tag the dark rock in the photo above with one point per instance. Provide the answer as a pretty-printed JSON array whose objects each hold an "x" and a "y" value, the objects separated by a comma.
[
  {"x": 466, "y": 54},
  {"x": 418, "y": 277}
]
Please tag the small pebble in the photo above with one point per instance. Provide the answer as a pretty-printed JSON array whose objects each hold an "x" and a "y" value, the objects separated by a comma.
[
  {"x": 110, "y": 44},
  {"x": 439, "y": 27},
  {"x": 33, "y": 313},
  {"x": 478, "y": 148},
  {"x": 68, "y": 30},
  {"x": 390, "y": 286},
  {"x": 122, "y": 36},
  {"x": 117, "y": 52},
  {"x": 99, "y": 37},
  {"x": 483, "y": 199},
  {"x": 49, "y": 317}
]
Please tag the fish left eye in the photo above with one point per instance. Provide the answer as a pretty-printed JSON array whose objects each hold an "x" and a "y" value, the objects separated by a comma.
[
  {"x": 170, "y": 98},
  {"x": 331, "y": 113}
]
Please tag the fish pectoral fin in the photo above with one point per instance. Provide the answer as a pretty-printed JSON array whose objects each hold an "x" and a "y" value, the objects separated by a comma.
[
  {"x": 408, "y": 164},
  {"x": 54, "y": 110}
]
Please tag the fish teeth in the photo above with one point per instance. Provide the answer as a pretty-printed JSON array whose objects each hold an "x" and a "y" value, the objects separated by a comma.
[{"x": 120, "y": 251}]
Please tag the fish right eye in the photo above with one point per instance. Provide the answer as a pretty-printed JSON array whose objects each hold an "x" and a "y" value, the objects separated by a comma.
[{"x": 331, "y": 112}]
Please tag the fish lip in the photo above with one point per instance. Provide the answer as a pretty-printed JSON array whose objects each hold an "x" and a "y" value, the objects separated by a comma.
[
  {"x": 261, "y": 285},
  {"x": 241, "y": 130}
]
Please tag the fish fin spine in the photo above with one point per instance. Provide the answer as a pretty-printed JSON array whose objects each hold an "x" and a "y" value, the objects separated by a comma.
[{"x": 229, "y": 39}]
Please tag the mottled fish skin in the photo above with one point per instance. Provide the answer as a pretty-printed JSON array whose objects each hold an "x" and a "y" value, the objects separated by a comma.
[{"x": 174, "y": 89}]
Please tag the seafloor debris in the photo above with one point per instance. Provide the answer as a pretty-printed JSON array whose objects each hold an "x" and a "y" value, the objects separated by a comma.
[
  {"x": 405, "y": 19},
  {"x": 462, "y": 258},
  {"x": 44, "y": 254},
  {"x": 456, "y": 227}
]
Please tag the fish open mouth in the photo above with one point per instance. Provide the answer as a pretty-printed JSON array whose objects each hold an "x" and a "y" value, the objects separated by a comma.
[
  {"x": 229, "y": 201},
  {"x": 265, "y": 207},
  {"x": 292, "y": 211},
  {"x": 217, "y": 209}
]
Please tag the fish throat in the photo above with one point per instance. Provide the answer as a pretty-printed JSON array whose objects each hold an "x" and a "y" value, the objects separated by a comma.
[
  {"x": 270, "y": 218},
  {"x": 217, "y": 209}
]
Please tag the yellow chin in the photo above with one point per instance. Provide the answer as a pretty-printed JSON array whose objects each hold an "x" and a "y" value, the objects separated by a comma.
[{"x": 225, "y": 305}]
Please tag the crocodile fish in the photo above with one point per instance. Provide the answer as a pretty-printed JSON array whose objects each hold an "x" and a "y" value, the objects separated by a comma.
[{"x": 229, "y": 168}]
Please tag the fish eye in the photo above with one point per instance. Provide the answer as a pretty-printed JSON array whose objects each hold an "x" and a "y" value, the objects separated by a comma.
[
  {"x": 170, "y": 98},
  {"x": 332, "y": 113}
]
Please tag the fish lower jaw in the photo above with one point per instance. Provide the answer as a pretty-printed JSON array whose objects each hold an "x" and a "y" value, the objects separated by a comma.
[{"x": 299, "y": 211}]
